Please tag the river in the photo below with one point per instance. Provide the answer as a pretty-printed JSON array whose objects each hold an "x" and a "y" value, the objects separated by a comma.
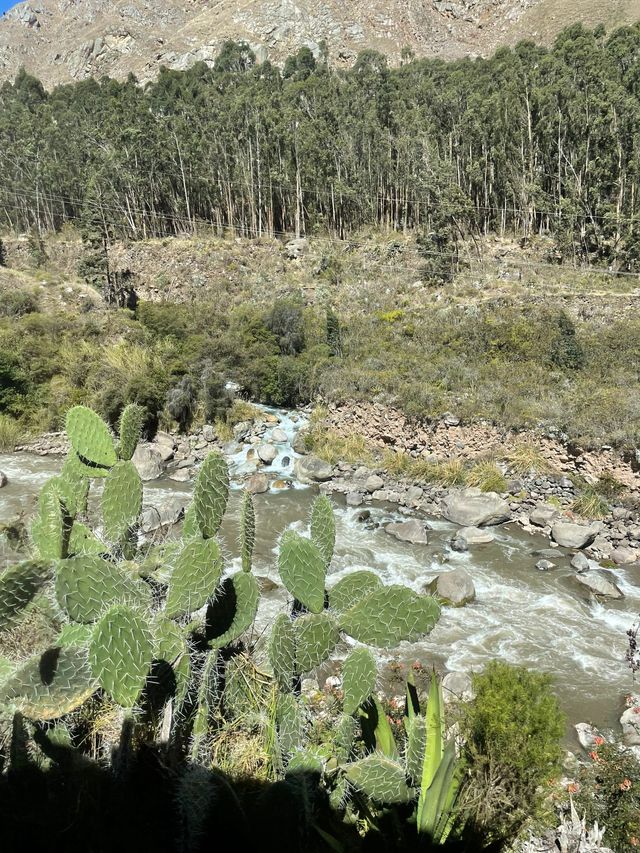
[{"x": 542, "y": 620}]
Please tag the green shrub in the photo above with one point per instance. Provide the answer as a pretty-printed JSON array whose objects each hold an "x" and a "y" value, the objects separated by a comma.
[
  {"x": 487, "y": 477},
  {"x": 609, "y": 792},
  {"x": 10, "y": 433},
  {"x": 590, "y": 504},
  {"x": 286, "y": 322},
  {"x": 512, "y": 730},
  {"x": 17, "y": 303}
]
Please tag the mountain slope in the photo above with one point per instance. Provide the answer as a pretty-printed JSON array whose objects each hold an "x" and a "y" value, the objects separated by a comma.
[{"x": 64, "y": 40}]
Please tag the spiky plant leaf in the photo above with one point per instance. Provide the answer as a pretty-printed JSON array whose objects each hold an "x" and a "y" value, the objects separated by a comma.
[
  {"x": 50, "y": 527},
  {"x": 316, "y": 637},
  {"x": 380, "y": 779},
  {"x": 190, "y": 529},
  {"x": 436, "y": 805},
  {"x": 233, "y": 610},
  {"x": 50, "y": 685},
  {"x": 291, "y": 723},
  {"x": 19, "y": 585},
  {"x": 87, "y": 585},
  {"x": 74, "y": 634},
  {"x": 359, "y": 674},
  {"x": 121, "y": 500},
  {"x": 131, "y": 423},
  {"x": 171, "y": 647},
  {"x": 195, "y": 577},
  {"x": 323, "y": 527},
  {"x": 435, "y": 732},
  {"x": 83, "y": 541},
  {"x": 389, "y": 615},
  {"x": 415, "y": 743},
  {"x": 210, "y": 494},
  {"x": 345, "y": 735},
  {"x": 302, "y": 570},
  {"x": 121, "y": 652},
  {"x": 282, "y": 651},
  {"x": 90, "y": 438},
  {"x": 247, "y": 530},
  {"x": 351, "y": 589},
  {"x": 77, "y": 483}
]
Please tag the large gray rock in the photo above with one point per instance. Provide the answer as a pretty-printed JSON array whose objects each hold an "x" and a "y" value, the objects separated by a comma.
[
  {"x": 299, "y": 443},
  {"x": 241, "y": 430},
  {"x": 257, "y": 484},
  {"x": 623, "y": 555},
  {"x": 599, "y": 583},
  {"x": 3, "y": 479},
  {"x": 475, "y": 536},
  {"x": 279, "y": 436},
  {"x": 580, "y": 562},
  {"x": 354, "y": 499},
  {"x": 267, "y": 453},
  {"x": 296, "y": 248},
  {"x": 630, "y": 722},
  {"x": 374, "y": 483},
  {"x": 571, "y": 535},
  {"x": 473, "y": 508},
  {"x": 544, "y": 515},
  {"x": 457, "y": 687},
  {"x": 455, "y": 588},
  {"x": 310, "y": 469},
  {"x": 148, "y": 462},
  {"x": 165, "y": 514},
  {"x": 412, "y": 531}
]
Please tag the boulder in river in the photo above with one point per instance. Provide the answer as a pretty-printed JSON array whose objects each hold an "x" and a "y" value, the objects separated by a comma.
[
  {"x": 475, "y": 536},
  {"x": 455, "y": 588},
  {"x": 3, "y": 479},
  {"x": 374, "y": 483},
  {"x": 267, "y": 453},
  {"x": 310, "y": 469},
  {"x": 257, "y": 484},
  {"x": 543, "y": 515},
  {"x": 588, "y": 735},
  {"x": 412, "y": 531},
  {"x": 623, "y": 555},
  {"x": 279, "y": 436},
  {"x": 241, "y": 430},
  {"x": 545, "y": 565},
  {"x": 148, "y": 462},
  {"x": 580, "y": 562},
  {"x": 299, "y": 444},
  {"x": 630, "y": 722},
  {"x": 164, "y": 515},
  {"x": 600, "y": 583},
  {"x": 354, "y": 499},
  {"x": 473, "y": 508},
  {"x": 571, "y": 535}
]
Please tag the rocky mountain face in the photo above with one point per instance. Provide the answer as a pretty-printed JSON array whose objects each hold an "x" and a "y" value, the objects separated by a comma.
[{"x": 69, "y": 40}]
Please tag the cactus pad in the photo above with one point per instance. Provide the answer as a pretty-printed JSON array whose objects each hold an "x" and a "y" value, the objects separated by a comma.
[
  {"x": 87, "y": 585},
  {"x": 282, "y": 651},
  {"x": 121, "y": 500},
  {"x": 121, "y": 652},
  {"x": 131, "y": 422},
  {"x": 190, "y": 529},
  {"x": 74, "y": 634},
  {"x": 50, "y": 685},
  {"x": 49, "y": 529},
  {"x": 359, "y": 675},
  {"x": 195, "y": 577},
  {"x": 323, "y": 527},
  {"x": 316, "y": 637},
  {"x": 210, "y": 494},
  {"x": 345, "y": 735},
  {"x": 291, "y": 723},
  {"x": 19, "y": 585},
  {"x": 171, "y": 648},
  {"x": 351, "y": 589},
  {"x": 389, "y": 615},
  {"x": 302, "y": 569},
  {"x": 247, "y": 531},
  {"x": 83, "y": 541},
  {"x": 233, "y": 609},
  {"x": 90, "y": 438},
  {"x": 380, "y": 779}
]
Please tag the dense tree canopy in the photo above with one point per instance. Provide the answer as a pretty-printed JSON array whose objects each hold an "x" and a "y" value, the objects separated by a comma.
[{"x": 532, "y": 140}]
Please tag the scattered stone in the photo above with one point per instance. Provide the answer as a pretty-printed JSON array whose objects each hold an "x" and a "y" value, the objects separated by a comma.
[
  {"x": 580, "y": 562},
  {"x": 459, "y": 545},
  {"x": 544, "y": 515},
  {"x": 475, "y": 536},
  {"x": 411, "y": 531},
  {"x": 279, "y": 436},
  {"x": 310, "y": 469},
  {"x": 209, "y": 433},
  {"x": 473, "y": 508},
  {"x": 587, "y": 735},
  {"x": 545, "y": 565},
  {"x": 286, "y": 461},
  {"x": 630, "y": 722},
  {"x": 296, "y": 248},
  {"x": 148, "y": 462},
  {"x": 455, "y": 588},
  {"x": 623, "y": 556},
  {"x": 571, "y": 535},
  {"x": 354, "y": 499},
  {"x": 414, "y": 494},
  {"x": 365, "y": 515},
  {"x": 546, "y": 553},
  {"x": 298, "y": 444},
  {"x": 374, "y": 483},
  {"x": 267, "y": 453},
  {"x": 457, "y": 687},
  {"x": 600, "y": 583},
  {"x": 3, "y": 479},
  {"x": 180, "y": 475},
  {"x": 278, "y": 485},
  {"x": 257, "y": 484},
  {"x": 156, "y": 517},
  {"x": 265, "y": 584},
  {"x": 241, "y": 430}
]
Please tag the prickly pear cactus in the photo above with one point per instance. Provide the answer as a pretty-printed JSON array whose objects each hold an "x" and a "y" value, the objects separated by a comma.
[
  {"x": 247, "y": 531},
  {"x": 389, "y": 615},
  {"x": 210, "y": 494},
  {"x": 345, "y": 735},
  {"x": 359, "y": 674},
  {"x": 50, "y": 685},
  {"x": 316, "y": 637},
  {"x": 83, "y": 541},
  {"x": 323, "y": 527},
  {"x": 302, "y": 569},
  {"x": 291, "y": 724},
  {"x": 19, "y": 585},
  {"x": 77, "y": 483},
  {"x": 233, "y": 610},
  {"x": 190, "y": 529},
  {"x": 351, "y": 589},
  {"x": 131, "y": 423},
  {"x": 121, "y": 653},
  {"x": 195, "y": 577},
  {"x": 87, "y": 585},
  {"x": 282, "y": 651},
  {"x": 50, "y": 527},
  {"x": 90, "y": 438},
  {"x": 74, "y": 634},
  {"x": 121, "y": 500},
  {"x": 171, "y": 647},
  {"x": 207, "y": 695},
  {"x": 380, "y": 778}
]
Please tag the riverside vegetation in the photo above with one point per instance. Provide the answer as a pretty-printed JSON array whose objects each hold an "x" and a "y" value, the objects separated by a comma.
[{"x": 151, "y": 660}]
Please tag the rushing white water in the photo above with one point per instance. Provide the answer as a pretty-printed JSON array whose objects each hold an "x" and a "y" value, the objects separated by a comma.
[{"x": 543, "y": 620}]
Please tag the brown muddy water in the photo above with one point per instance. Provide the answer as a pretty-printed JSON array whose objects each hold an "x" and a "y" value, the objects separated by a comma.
[{"x": 542, "y": 620}]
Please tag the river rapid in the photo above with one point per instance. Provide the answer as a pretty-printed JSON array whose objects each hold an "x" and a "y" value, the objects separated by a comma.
[{"x": 542, "y": 620}]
